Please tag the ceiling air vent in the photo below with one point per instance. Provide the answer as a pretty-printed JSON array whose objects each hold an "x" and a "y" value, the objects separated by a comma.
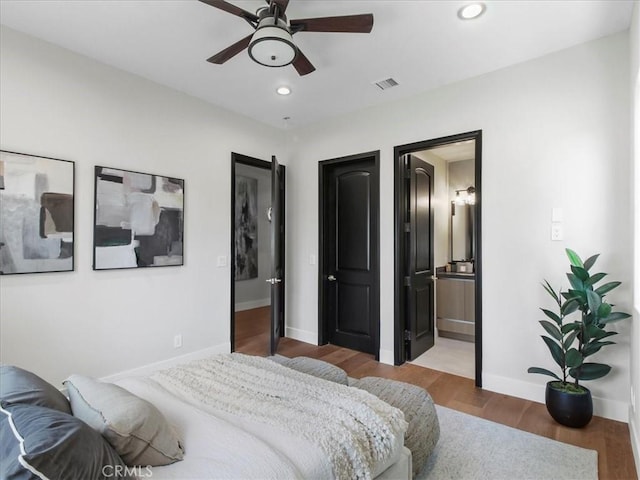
[{"x": 385, "y": 84}]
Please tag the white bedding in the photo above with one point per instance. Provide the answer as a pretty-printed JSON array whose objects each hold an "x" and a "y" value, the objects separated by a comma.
[
  {"x": 222, "y": 443},
  {"x": 216, "y": 448}
]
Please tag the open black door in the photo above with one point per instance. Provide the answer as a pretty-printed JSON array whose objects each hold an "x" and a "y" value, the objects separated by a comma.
[
  {"x": 420, "y": 271},
  {"x": 277, "y": 254}
]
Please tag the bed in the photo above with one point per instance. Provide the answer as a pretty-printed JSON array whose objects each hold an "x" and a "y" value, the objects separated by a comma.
[
  {"x": 248, "y": 417},
  {"x": 238, "y": 416}
]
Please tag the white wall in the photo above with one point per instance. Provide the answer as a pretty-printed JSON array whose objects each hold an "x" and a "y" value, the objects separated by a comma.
[
  {"x": 255, "y": 292},
  {"x": 56, "y": 103},
  {"x": 634, "y": 411},
  {"x": 555, "y": 134}
]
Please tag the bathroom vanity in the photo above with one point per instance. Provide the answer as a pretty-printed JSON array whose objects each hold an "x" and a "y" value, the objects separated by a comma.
[{"x": 455, "y": 305}]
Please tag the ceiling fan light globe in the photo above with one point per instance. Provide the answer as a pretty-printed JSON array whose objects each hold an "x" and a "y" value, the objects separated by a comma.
[{"x": 272, "y": 45}]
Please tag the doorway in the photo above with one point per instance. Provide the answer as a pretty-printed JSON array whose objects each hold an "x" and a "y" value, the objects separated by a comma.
[
  {"x": 257, "y": 255},
  {"x": 349, "y": 239},
  {"x": 456, "y": 266}
]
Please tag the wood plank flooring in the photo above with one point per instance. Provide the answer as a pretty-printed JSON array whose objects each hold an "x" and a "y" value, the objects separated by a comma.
[{"x": 610, "y": 438}]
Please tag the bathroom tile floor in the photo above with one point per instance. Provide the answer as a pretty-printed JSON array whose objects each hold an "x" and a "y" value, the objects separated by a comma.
[{"x": 450, "y": 356}]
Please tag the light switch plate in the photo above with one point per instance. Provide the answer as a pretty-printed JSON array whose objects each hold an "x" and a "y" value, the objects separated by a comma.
[
  {"x": 557, "y": 214},
  {"x": 222, "y": 261}
]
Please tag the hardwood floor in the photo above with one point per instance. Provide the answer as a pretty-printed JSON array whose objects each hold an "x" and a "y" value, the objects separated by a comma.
[
  {"x": 610, "y": 438},
  {"x": 252, "y": 331}
]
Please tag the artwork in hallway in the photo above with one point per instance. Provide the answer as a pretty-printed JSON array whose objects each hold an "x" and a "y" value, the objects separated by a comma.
[
  {"x": 36, "y": 213},
  {"x": 246, "y": 225},
  {"x": 139, "y": 220}
]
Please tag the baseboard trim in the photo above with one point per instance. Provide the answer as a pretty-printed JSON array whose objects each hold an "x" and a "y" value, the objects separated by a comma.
[
  {"x": 602, "y": 407},
  {"x": 302, "y": 335},
  {"x": 635, "y": 439},
  {"x": 264, "y": 302},
  {"x": 170, "y": 362}
]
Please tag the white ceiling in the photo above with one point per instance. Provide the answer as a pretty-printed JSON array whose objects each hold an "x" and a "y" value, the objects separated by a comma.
[
  {"x": 455, "y": 152},
  {"x": 422, "y": 44}
]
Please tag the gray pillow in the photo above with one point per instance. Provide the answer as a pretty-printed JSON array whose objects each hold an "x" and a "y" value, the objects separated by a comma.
[
  {"x": 55, "y": 444},
  {"x": 20, "y": 386},
  {"x": 317, "y": 368},
  {"x": 135, "y": 428}
]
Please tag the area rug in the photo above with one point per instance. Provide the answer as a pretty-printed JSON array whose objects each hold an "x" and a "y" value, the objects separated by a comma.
[{"x": 474, "y": 448}]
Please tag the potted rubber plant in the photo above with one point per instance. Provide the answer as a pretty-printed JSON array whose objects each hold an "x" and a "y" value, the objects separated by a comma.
[{"x": 577, "y": 330}]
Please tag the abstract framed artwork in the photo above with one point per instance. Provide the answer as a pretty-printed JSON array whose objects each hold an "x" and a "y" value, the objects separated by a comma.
[
  {"x": 36, "y": 213},
  {"x": 246, "y": 225},
  {"x": 138, "y": 221}
]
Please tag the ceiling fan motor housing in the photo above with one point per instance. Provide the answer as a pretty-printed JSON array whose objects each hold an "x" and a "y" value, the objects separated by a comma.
[{"x": 272, "y": 44}]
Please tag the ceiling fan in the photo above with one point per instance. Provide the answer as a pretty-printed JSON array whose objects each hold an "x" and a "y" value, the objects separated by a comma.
[{"x": 272, "y": 44}]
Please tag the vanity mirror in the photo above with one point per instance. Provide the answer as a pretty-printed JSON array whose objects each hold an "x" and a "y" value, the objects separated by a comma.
[{"x": 462, "y": 248}]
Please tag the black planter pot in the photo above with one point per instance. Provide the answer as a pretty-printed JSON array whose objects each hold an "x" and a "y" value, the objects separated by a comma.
[{"x": 570, "y": 409}]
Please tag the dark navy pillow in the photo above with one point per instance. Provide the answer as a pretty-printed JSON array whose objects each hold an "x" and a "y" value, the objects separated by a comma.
[
  {"x": 20, "y": 386},
  {"x": 39, "y": 442}
]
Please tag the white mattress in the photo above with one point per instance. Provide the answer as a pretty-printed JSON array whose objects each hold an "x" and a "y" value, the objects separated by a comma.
[{"x": 225, "y": 446}]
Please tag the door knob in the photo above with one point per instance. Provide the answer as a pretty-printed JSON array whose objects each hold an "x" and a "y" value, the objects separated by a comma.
[
  {"x": 331, "y": 278},
  {"x": 273, "y": 281}
]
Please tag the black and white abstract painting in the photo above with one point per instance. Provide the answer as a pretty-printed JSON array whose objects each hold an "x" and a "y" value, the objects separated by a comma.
[
  {"x": 246, "y": 225},
  {"x": 139, "y": 220},
  {"x": 36, "y": 214}
]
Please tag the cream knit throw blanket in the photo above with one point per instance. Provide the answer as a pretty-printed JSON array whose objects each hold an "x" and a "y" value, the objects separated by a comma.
[{"x": 353, "y": 428}]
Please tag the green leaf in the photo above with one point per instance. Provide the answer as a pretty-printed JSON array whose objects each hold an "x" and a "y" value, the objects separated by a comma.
[
  {"x": 588, "y": 263},
  {"x": 570, "y": 339},
  {"x": 595, "y": 332},
  {"x": 547, "y": 286},
  {"x": 590, "y": 371},
  {"x": 594, "y": 347},
  {"x": 569, "y": 307},
  {"x": 574, "y": 258},
  {"x": 551, "y": 329},
  {"x": 614, "y": 317},
  {"x": 593, "y": 279},
  {"x": 593, "y": 300},
  {"x": 575, "y": 281},
  {"x": 578, "y": 295},
  {"x": 604, "y": 310},
  {"x": 607, "y": 287},
  {"x": 556, "y": 351},
  {"x": 574, "y": 358},
  {"x": 569, "y": 327},
  {"x": 580, "y": 272},
  {"x": 553, "y": 316},
  {"x": 603, "y": 334},
  {"x": 543, "y": 371}
]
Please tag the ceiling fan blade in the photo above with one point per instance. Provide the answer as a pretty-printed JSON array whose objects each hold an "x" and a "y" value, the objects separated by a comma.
[
  {"x": 302, "y": 64},
  {"x": 348, "y": 23},
  {"x": 231, "y": 51},
  {"x": 232, "y": 9}
]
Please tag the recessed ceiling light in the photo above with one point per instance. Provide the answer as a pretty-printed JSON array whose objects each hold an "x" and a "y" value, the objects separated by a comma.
[
  {"x": 283, "y": 90},
  {"x": 473, "y": 10}
]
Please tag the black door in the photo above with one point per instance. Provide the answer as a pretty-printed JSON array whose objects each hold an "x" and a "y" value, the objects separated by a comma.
[
  {"x": 277, "y": 254},
  {"x": 419, "y": 273},
  {"x": 349, "y": 246}
]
